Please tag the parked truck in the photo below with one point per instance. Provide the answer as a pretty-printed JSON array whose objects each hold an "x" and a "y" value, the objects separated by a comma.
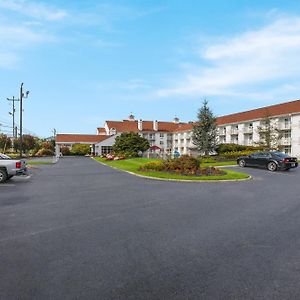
[{"x": 11, "y": 167}]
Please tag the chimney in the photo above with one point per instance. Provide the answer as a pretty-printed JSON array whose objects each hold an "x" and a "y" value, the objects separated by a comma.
[
  {"x": 140, "y": 124},
  {"x": 176, "y": 120},
  {"x": 155, "y": 125}
]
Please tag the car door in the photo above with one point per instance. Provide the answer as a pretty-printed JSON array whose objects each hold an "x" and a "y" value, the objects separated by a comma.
[
  {"x": 252, "y": 159},
  {"x": 262, "y": 159}
]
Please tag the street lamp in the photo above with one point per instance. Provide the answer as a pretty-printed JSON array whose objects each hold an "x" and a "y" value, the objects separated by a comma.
[
  {"x": 22, "y": 95},
  {"x": 13, "y": 100}
]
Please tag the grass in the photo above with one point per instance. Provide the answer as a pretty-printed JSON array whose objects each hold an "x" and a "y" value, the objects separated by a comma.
[
  {"x": 133, "y": 164},
  {"x": 219, "y": 163},
  {"x": 39, "y": 163}
]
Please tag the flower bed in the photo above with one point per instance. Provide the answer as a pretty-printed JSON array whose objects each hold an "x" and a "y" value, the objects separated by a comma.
[
  {"x": 184, "y": 165},
  {"x": 114, "y": 157}
]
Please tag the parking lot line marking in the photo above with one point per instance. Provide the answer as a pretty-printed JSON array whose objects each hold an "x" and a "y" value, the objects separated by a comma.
[{"x": 6, "y": 184}]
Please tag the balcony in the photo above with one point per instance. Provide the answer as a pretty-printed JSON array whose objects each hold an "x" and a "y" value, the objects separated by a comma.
[
  {"x": 248, "y": 130},
  {"x": 285, "y": 142},
  {"x": 284, "y": 126},
  {"x": 222, "y": 133},
  {"x": 234, "y": 131}
]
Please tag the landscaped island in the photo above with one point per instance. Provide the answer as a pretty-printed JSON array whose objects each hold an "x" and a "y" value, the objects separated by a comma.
[{"x": 146, "y": 167}]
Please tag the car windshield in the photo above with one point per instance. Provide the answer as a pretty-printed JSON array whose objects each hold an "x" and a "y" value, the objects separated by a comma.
[
  {"x": 3, "y": 156},
  {"x": 280, "y": 154}
]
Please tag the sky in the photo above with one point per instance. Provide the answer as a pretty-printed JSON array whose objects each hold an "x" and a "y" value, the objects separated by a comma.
[{"x": 88, "y": 61}]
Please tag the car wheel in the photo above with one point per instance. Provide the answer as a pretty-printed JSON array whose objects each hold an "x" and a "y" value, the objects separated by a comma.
[
  {"x": 242, "y": 163},
  {"x": 272, "y": 166},
  {"x": 3, "y": 176}
]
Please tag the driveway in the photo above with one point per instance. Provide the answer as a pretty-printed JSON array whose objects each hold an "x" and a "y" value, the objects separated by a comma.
[{"x": 80, "y": 230}]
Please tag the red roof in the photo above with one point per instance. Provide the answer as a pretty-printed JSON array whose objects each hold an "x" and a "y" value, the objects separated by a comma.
[
  {"x": 260, "y": 113},
  {"x": 80, "y": 138},
  {"x": 184, "y": 127},
  {"x": 101, "y": 130},
  {"x": 132, "y": 126},
  {"x": 154, "y": 147}
]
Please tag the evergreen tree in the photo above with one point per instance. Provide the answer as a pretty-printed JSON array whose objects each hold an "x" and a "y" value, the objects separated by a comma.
[
  {"x": 205, "y": 130},
  {"x": 269, "y": 135}
]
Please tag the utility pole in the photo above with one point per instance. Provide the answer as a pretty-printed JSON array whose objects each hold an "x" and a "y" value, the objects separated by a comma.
[
  {"x": 13, "y": 100},
  {"x": 22, "y": 95}
]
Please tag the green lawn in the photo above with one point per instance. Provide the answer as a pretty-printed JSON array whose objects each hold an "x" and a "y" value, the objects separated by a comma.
[
  {"x": 219, "y": 164},
  {"x": 39, "y": 162},
  {"x": 133, "y": 164}
]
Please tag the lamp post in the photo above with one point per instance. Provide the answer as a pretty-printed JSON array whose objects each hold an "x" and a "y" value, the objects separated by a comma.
[
  {"x": 22, "y": 95},
  {"x": 13, "y": 100}
]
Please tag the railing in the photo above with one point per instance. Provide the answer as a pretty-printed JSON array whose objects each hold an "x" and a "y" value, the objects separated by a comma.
[
  {"x": 234, "y": 131},
  {"x": 248, "y": 129},
  {"x": 284, "y": 126},
  {"x": 285, "y": 141}
]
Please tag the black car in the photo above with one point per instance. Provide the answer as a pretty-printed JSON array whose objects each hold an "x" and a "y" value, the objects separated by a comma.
[{"x": 272, "y": 160}]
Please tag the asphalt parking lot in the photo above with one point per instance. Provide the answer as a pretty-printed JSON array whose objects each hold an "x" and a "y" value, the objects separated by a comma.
[{"x": 80, "y": 230}]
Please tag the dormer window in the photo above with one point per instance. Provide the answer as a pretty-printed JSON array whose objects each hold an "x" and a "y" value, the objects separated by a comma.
[{"x": 113, "y": 131}]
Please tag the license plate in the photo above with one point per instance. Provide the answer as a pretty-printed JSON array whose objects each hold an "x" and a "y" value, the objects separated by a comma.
[{"x": 293, "y": 165}]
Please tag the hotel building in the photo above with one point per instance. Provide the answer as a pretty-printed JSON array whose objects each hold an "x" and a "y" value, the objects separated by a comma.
[{"x": 239, "y": 128}]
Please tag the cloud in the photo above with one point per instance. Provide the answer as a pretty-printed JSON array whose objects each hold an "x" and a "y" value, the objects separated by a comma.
[
  {"x": 34, "y": 9},
  {"x": 244, "y": 64},
  {"x": 16, "y": 38}
]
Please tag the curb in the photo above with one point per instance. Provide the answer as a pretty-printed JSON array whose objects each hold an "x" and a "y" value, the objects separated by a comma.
[{"x": 174, "y": 180}]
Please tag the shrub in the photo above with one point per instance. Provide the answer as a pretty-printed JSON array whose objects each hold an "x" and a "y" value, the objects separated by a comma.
[
  {"x": 236, "y": 154},
  {"x": 65, "y": 151},
  {"x": 224, "y": 148},
  {"x": 45, "y": 152},
  {"x": 80, "y": 149},
  {"x": 184, "y": 165},
  {"x": 153, "y": 166},
  {"x": 207, "y": 159}
]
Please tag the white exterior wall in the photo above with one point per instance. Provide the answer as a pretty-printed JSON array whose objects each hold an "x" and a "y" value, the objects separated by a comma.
[
  {"x": 295, "y": 135},
  {"x": 256, "y": 124},
  {"x": 108, "y": 142}
]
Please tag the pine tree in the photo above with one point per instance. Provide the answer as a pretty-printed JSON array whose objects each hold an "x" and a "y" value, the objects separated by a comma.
[{"x": 205, "y": 130}]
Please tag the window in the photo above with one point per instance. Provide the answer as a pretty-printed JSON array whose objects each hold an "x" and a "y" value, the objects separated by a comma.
[
  {"x": 287, "y": 149},
  {"x": 113, "y": 131},
  {"x": 161, "y": 142},
  {"x": 106, "y": 150},
  {"x": 161, "y": 135},
  {"x": 287, "y": 134}
]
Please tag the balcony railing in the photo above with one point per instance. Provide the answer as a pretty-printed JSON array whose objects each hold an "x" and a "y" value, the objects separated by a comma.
[
  {"x": 234, "y": 131},
  {"x": 248, "y": 129},
  {"x": 284, "y": 126},
  {"x": 285, "y": 141}
]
